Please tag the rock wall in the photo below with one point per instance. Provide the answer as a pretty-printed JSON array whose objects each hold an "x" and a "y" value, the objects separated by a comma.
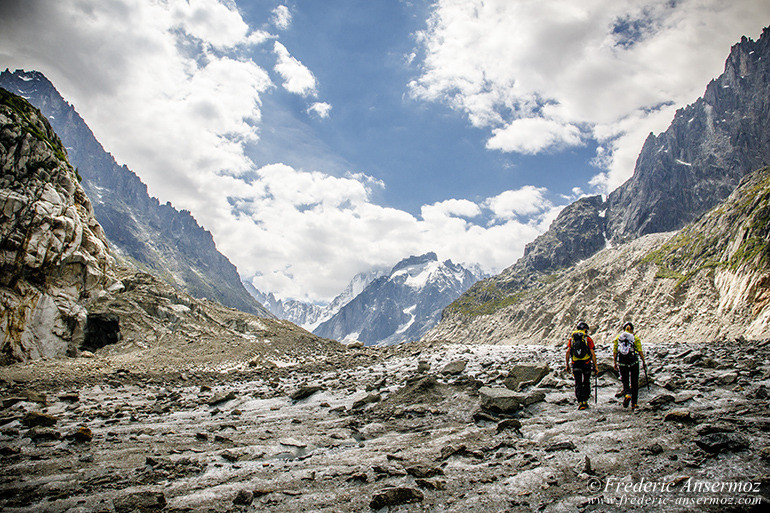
[
  {"x": 154, "y": 237},
  {"x": 679, "y": 175},
  {"x": 53, "y": 253},
  {"x": 710, "y": 280}
]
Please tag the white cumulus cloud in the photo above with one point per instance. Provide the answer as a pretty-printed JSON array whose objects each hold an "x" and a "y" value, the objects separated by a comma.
[
  {"x": 544, "y": 75},
  {"x": 533, "y": 135},
  {"x": 526, "y": 201},
  {"x": 297, "y": 78},
  {"x": 304, "y": 234},
  {"x": 320, "y": 109},
  {"x": 281, "y": 17}
]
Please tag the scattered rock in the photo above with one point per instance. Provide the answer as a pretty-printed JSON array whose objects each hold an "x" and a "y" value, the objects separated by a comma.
[
  {"x": 449, "y": 450},
  {"x": 361, "y": 477},
  {"x": 423, "y": 366},
  {"x": 304, "y": 392},
  {"x": 605, "y": 366},
  {"x": 231, "y": 456},
  {"x": 536, "y": 396},
  {"x": 499, "y": 399},
  {"x": 290, "y": 442},
  {"x": 34, "y": 397},
  {"x": 759, "y": 393},
  {"x": 684, "y": 397},
  {"x": 395, "y": 496},
  {"x": 243, "y": 497},
  {"x": 70, "y": 397},
  {"x": 9, "y": 451},
  {"x": 707, "y": 429},
  {"x": 727, "y": 378},
  {"x": 524, "y": 373},
  {"x": 140, "y": 501},
  {"x": 654, "y": 449},
  {"x": 719, "y": 442},
  {"x": 561, "y": 446},
  {"x": 221, "y": 397},
  {"x": 431, "y": 484},
  {"x": 42, "y": 434},
  {"x": 10, "y": 401},
  {"x": 682, "y": 416},
  {"x": 454, "y": 368},
  {"x": 355, "y": 345},
  {"x": 423, "y": 471},
  {"x": 480, "y": 417},
  {"x": 36, "y": 418},
  {"x": 507, "y": 424},
  {"x": 81, "y": 435},
  {"x": 370, "y": 398},
  {"x": 661, "y": 399}
]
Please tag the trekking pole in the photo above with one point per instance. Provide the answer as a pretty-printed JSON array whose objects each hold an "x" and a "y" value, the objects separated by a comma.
[
  {"x": 596, "y": 385},
  {"x": 646, "y": 377}
]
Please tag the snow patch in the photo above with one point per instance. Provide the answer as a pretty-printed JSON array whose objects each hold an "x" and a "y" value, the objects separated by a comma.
[{"x": 407, "y": 311}]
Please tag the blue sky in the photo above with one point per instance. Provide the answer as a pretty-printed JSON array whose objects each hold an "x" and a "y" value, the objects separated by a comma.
[
  {"x": 424, "y": 151},
  {"x": 319, "y": 139}
]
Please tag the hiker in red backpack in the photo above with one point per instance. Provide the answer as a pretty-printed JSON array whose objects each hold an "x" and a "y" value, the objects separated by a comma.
[
  {"x": 580, "y": 353},
  {"x": 626, "y": 352}
]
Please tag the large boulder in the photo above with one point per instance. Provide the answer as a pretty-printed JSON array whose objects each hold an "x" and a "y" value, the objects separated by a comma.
[
  {"x": 500, "y": 399},
  {"x": 455, "y": 367},
  {"x": 526, "y": 373}
]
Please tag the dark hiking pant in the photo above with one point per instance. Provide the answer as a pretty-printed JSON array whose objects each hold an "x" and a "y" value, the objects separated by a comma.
[
  {"x": 582, "y": 372},
  {"x": 629, "y": 375}
]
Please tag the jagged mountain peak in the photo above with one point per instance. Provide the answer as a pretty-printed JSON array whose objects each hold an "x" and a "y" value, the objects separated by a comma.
[
  {"x": 414, "y": 260},
  {"x": 679, "y": 175},
  {"x": 310, "y": 315},
  {"x": 401, "y": 305},
  {"x": 142, "y": 232}
]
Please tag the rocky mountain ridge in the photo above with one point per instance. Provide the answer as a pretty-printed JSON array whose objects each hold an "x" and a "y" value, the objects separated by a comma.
[
  {"x": 309, "y": 315},
  {"x": 400, "y": 305},
  {"x": 62, "y": 293},
  {"x": 155, "y": 237},
  {"x": 679, "y": 175},
  {"x": 710, "y": 280}
]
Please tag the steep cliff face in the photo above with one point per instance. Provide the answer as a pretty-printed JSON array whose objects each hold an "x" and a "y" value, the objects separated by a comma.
[
  {"x": 577, "y": 233},
  {"x": 53, "y": 253},
  {"x": 710, "y": 280},
  {"x": 399, "y": 306},
  {"x": 708, "y": 148},
  {"x": 679, "y": 175},
  {"x": 155, "y": 237}
]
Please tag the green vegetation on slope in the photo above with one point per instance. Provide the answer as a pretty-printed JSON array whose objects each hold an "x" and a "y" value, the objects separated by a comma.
[
  {"x": 26, "y": 112},
  {"x": 709, "y": 243}
]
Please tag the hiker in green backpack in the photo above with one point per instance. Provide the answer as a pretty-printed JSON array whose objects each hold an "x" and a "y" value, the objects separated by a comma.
[
  {"x": 626, "y": 352},
  {"x": 580, "y": 353}
]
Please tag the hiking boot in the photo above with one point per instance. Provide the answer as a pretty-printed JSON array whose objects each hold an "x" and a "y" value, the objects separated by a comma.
[
  {"x": 583, "y": 406},
  {"x": 634, "y": 407},
  {"x": 626, "y": 400}
]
